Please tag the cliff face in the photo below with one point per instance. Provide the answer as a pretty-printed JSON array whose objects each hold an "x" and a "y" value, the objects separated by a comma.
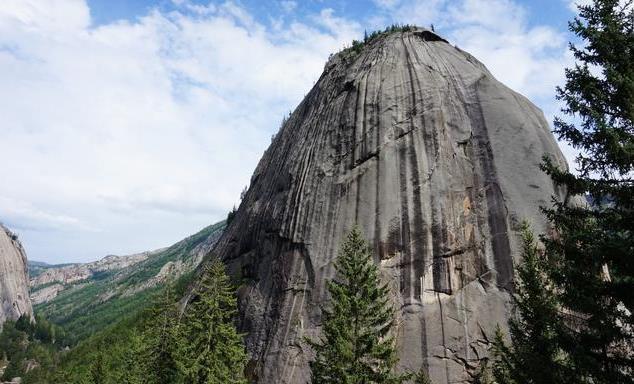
[
  {"x": 415, "y": 141},
  {"x": 14, "y": 281}
]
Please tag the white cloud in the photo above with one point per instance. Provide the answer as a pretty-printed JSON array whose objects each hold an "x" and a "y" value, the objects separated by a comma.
[
  {"x": 527, "y": 59},
  {"x": 574, "y": 4},
  {"x": 51, "y": 15},
  {"x": 288, "y": 5},
  {"x": 136, "y": 134}
]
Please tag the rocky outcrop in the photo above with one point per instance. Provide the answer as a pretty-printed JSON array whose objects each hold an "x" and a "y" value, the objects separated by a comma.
[
  {"x": 415, "y": 141},
  {"x": 14, "y": 281},
  {"x": 46, "y": 293},
  {"x": 78, "y": 272}
]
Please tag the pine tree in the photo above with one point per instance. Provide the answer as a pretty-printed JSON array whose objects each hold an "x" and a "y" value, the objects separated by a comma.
[
  {"x": 356, "y": 347},
  {"x": 593, "y": 246},
  {"x": 163, "y": 341},
  {"x": 534, "y": 356},
  {"x": 214, "y": 351},
  {"x": 134, "y": 368}
]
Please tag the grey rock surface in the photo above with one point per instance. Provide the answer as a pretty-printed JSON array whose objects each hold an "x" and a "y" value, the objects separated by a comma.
[
  {"x": 416, "y": 142},
  {"x": 14, "y": 280}
]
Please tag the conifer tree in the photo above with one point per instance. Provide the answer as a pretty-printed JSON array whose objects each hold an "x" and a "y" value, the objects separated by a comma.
[
  {"x": 356, "y": 346},
  {"x": 163, "y": 341},
  {"x": 214, "y": 351},
  {"x": 593, "y": 247},
  {"x": 98, "y": 370},
  {"x": 134, "y": 367},
  {"x": 534, "y": 356}
]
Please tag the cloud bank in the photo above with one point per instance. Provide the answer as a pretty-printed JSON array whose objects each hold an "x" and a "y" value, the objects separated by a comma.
[{"x": 128, "y": 136}]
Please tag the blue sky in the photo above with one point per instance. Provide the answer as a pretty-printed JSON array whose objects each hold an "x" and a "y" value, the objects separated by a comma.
[
  {"x": 549, "y": 12},
  {"x": 130, "y": 124}
]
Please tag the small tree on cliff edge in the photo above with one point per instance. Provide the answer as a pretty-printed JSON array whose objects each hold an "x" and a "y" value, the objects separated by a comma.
[
  {"x": 593, "y": 249},
  {"x": 356, "y": 347}
]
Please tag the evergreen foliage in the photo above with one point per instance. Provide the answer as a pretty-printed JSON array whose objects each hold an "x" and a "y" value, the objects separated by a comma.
[
  {"x": 25, "y": 344},
  {"x": 213, "y": 353},
  {"x": 98, "y": 370},
  {"x": 134, "y": 364},
  {"x": 80, "y": 309},
  {"x": 356, "y": 346},
  {"x": 163, "y": 340},
  {"x": 148, "y": 347},
  {"x": 422, "y": 378},
  {"x": 357, "y": 46},
  {"x": 592, "y": 250},
  {"x": 534, "y": 356}
]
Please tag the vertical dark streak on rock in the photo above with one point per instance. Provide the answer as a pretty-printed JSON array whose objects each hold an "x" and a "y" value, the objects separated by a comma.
[
  {"x": 315, "y": 181},
  {"x": 419, "y": 244},
  {"x": 406, "y": 239},
  {"x": 406, "y": 282},
  {"x": 376, "y": 120},
  {"x": 498, "y": 226},
  {"x": 419, "y": 225}
]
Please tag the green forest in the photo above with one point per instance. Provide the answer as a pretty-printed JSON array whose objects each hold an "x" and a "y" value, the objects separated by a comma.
[{"x": 571, "y": 322}]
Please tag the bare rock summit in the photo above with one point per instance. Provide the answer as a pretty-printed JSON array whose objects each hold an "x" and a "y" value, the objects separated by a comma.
[{"x": 415, "y": 141}]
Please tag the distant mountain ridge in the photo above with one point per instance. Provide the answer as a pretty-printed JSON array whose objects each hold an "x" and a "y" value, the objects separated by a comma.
[
  {"x": 48, "y": 281},
  {"x": 84, "y": 298}
]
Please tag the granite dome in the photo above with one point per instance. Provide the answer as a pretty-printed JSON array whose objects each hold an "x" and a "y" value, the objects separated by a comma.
[{"x": 415, "y": 141}]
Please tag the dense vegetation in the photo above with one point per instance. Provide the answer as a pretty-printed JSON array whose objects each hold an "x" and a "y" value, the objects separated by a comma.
[
  {"x": 573, "y": 299},
  {"x": 155, "y": 345},
  {"x": 29, "y": 347},
  {"x": 90, "y": 306},
  {"x": 574, "y": 302},
  {"x": 357, "y": 346}
]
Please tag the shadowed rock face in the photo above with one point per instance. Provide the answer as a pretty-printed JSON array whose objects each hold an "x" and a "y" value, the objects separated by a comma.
[
  {"x": 14, "y": 281},
  {"x": 415, "y": 141}
]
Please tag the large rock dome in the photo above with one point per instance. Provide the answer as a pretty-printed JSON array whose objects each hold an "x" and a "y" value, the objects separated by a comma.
[{"x": 415, "y": 141}]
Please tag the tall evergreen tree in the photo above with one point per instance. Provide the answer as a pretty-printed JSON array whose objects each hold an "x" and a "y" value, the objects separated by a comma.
[
  {"x": 356, "y": 347},
  {"x": 534, "y": 356},
  {"x": 163, "y": 341},
  {"x": 134, "y": 370},
  {"x": 214, "y": 351},
  {"x": 593, "y": 247}
]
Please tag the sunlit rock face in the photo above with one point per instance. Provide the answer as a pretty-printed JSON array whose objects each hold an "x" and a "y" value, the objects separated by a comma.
[
  {"x": 14, "y": 280},
  {"x": 437, "y": 162}
]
